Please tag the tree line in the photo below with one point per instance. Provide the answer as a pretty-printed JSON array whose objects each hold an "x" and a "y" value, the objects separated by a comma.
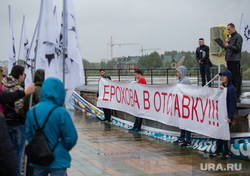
[{"x": 154, "y": 60}]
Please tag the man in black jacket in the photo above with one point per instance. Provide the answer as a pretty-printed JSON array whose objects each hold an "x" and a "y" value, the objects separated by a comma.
[
  {"x": 233, "y": 47},
  {"x": 8, "y": 158},
  {"x": 202, "y": 56}
]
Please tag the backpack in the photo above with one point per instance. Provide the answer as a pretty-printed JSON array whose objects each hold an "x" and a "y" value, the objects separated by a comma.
[{"x": 38, "y": 150}]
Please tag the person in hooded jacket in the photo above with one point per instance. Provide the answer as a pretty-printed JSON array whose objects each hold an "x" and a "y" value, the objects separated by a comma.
[
  {"x": 38, "y": 80},
  {"x": 183, "y": 79},
  {"x": 58, "y": 126},
  {"x": 226, "y": 79}
]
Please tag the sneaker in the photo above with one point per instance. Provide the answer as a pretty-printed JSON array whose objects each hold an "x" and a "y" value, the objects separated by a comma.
[
  {"x": 186, "y": 144},
  {"x": 136, "y": 130},
  {"x": 178, "y": 141},
  {"x": 131, "y": 129},
  {"x": 214, "y": 155},
  {"x": 225, "y": 156}
]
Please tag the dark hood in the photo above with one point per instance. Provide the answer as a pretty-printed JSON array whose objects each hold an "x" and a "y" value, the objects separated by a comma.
[
  {"x": 39, "y": 77},
  {"x": 229, "y": 77}
]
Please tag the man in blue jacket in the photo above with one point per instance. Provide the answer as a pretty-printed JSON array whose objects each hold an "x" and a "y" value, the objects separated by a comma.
[
  {"x": 59, "y": 125},
  {"x": 226, "y": 79}
]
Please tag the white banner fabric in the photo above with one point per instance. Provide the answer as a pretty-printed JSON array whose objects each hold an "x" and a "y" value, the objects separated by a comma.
[{"x": 193, "y": 108}]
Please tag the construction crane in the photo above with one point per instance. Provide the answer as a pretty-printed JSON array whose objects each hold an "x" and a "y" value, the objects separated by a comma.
[
  {"x": 154, "y": 49},
  {"x": 119, "y": 44}
]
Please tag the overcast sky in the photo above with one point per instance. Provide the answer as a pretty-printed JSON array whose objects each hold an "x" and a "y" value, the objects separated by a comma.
[{"x": 165, "y": 24}]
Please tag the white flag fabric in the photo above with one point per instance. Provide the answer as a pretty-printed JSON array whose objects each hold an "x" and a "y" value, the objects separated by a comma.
[
  {"x": 24, "y": 44},
  {"x": 46, "y": 36},
  {"x": 12, "y": 52},
  {"x": 30, "y": 58},
  {"x": 74, "y": 74},
  {"x": 245, "y": 32}
]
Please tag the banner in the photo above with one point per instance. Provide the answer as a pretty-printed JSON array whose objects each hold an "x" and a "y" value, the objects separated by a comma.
[
  {"x": 196, "y": 109},
  {"x": 245, "y": 32}
]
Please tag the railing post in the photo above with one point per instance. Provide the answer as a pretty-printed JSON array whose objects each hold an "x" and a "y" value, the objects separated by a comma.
[
  {"x": 212, "y": 77},
  {"x": 198, "y": 77},
  {"x": 119, "y": 75},
  {"x": 151, "y": 76},
  {"x": 85, "y": 73},
  {"x": 167, "y": 75}
]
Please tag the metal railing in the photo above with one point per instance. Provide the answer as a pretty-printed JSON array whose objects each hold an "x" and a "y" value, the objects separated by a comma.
[{"x": 154, "y": 76}]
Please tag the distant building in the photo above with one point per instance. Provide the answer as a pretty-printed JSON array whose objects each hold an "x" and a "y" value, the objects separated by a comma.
[
  {"x": 175, "y": 60},
  {"x": 129, "y": 62},
  {"x": 104, "y": 60}
]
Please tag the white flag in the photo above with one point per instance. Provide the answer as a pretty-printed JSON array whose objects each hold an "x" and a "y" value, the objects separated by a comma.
[
  {"x": 245, "y": 32},
  {"x": 12, "y": 52},
  {"x": 74, "y": 74},
  {"x": 24, "y": 44},
  {"x": 46, "y": 36},
  {"x": 30, "y": 58}
]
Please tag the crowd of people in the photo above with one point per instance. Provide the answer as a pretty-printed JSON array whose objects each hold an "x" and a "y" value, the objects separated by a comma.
[{"x": 19, "y": 121}]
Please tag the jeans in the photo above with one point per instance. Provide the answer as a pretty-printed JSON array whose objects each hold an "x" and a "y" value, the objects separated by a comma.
[
  {"x": 46, "y": 172},
  {"x": 205, "y": 71},
  {"x": 17, "y": 135},
  {"x": 234, "y": 67},
  {"x": 187, "y": 134},
  {"x": 138, "y": 122}
]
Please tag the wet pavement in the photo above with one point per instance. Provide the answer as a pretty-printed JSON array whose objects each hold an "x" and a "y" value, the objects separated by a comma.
[{"x": 104, "y": 149}]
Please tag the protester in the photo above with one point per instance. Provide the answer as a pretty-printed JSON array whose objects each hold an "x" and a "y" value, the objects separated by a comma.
[
  {"x": 202, "y": 56},
  {"x": 38, "y": 80},
  {"x": 3, "y": 71},
  {"x": 59, "y": 126},
  {"x": 14, "y": 113},
  {"x": 8, "y": 157},
  {"x": 107, "y": 112},
  {"x": 233, "y": 47},
  {"x": 226, "y": 79},
  {"x": 2, "y": 75},
  {"x": 138, "y": 120},
  {"x": 183, "y": 79}
]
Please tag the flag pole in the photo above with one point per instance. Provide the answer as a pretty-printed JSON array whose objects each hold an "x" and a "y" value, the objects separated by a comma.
[
  {"x": 18, "y": 61},
  {"x": 12, "y": 53},
  {"x": 65, "y": 36},
  {"x": 34, "y": 68}
]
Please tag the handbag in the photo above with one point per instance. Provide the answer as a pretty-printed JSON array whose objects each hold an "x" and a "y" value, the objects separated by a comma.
[{"x": 38, "y": 150}]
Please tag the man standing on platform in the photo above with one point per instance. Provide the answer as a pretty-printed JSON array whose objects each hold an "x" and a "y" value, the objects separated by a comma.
[
  {"x": 233, "y": 47},
  {"x": 138, "y": 120},
  {"x": 202, "y": 56},
  {"x": 107, "y": 112}
]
